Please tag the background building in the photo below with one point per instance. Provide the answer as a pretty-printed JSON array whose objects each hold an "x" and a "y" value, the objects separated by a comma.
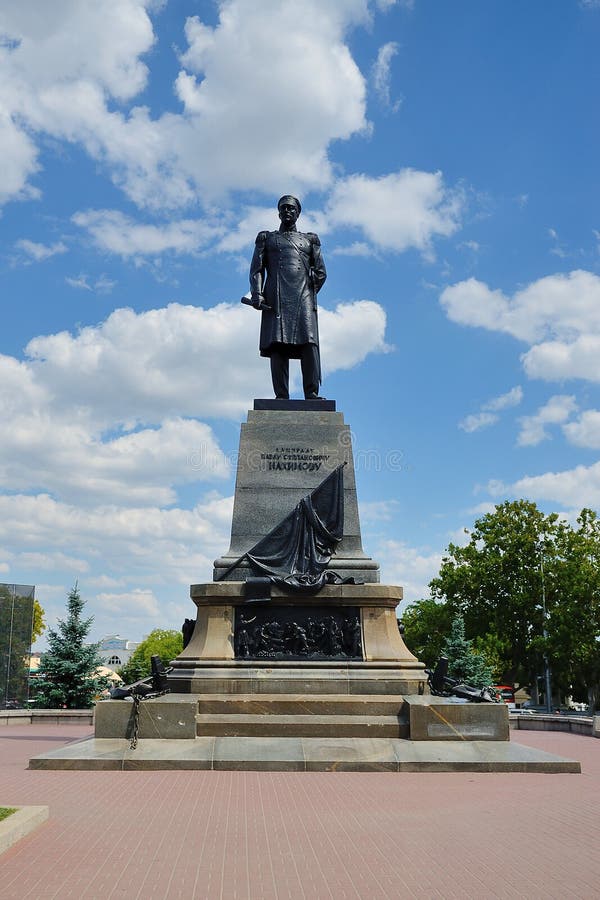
[{"x": 115, "y": 651}]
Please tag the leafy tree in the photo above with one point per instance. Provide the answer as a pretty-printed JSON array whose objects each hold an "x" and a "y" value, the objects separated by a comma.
[
  {"x": 67, "y": 673},
  {"x": 573, "y": 643},
  {"x": 463, "y": 662},
  {"x": 495, "y": 583},
  {"x": 164, "y": 643},
  {"x": 527, "y": 586},
  {"x": 39, "y": 624},
  {"x": 426, "y": 624}
]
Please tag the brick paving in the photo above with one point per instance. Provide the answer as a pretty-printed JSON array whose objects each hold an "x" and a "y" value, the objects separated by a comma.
[{"x": 255, "y": 835}]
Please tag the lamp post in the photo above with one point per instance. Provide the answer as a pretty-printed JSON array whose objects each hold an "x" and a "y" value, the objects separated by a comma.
[{"x": 547, "y": 679}]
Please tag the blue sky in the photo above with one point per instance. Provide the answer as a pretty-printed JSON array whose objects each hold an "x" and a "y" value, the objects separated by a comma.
[{"x": 446, "y": 153}]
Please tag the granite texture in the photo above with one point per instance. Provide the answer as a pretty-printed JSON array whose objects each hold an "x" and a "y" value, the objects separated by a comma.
[
  {"x": 442, "y": 719},
  {"x": 305, "y": 754},
  {"x": 193, "y": 677},
  {"x": 285, "y": 454},
  {"x": 171, "y": 717}
]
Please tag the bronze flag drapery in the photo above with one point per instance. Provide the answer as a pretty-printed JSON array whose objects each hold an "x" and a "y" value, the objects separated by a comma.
[{"x": 296, "y": 553}]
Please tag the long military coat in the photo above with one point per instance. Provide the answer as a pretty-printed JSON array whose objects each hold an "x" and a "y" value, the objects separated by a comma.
[{"x": 295, "y": 272}]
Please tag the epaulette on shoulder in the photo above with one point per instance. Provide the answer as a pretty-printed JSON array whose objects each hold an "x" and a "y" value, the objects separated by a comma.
[
  {"x": 261, "y": 237},
  {"x": 313, "y": 238}
]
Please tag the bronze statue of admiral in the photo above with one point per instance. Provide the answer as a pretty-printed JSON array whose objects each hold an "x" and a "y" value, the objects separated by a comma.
[{"x": 286, "y": 273}]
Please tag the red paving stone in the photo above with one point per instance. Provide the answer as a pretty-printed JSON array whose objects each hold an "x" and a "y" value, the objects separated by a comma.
[{"x": 270, "y": 836}]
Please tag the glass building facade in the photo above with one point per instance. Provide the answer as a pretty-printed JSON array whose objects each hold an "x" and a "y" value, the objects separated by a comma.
[{"x": 16, "y": 626}]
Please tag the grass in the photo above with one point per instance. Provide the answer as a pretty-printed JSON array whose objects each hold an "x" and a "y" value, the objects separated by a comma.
[{"x": 6, "y": 811}]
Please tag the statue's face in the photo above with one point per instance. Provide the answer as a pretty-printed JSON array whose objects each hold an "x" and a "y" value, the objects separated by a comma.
[{"x": 288, "y": 213}]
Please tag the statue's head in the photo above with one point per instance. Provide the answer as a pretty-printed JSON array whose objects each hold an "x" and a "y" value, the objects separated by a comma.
[
  {"x": 289, "y": 210},
  {"x": 287, "y": 200}
]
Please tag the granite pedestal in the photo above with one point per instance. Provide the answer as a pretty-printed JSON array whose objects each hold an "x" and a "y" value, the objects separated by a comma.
[{"x": 234, "y": 707}]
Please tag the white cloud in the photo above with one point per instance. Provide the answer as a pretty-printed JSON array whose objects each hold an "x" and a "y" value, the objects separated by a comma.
[
  {"x": 115, "y": 232},
  {"x": 44, "y": 452},
  {"x": 40, "y": 252},
  {"x": 558, "y": 360},
  {"x": 488, "y": 416},
  {"x": 79, "y": 282},
  {"x": 142, "y": 546},
  {"x": 179, "y": 354},
  {"x": 101, "y": 285},
  {"x": 559, "y": 316},
  {"x": 357, "y": 248},
  {"x": 72, "y": 70},
  {"x": 378, "y": 510},
  {"x": 576, "y": 487},
  {"x": 146, "y": 557},
  {"x": 138, "y": 603},
  {"x": 19, "y": 158},
  {"x": 585, "y": 431},
  {"x": 411, "y": 567},
  {"x": 397, "y": 211},
  {"x": 83, "y": 423},
  {"x": 382, "y": 74},
  {"x": 477, "y": 421},
  {"x": 505, "y": 401},
  {"x": 562, "y": 306},
  {"x": 556, "y": 411}
]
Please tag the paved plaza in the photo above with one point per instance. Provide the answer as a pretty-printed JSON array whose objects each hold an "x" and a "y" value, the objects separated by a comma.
[{"x": 206, "y": 834}]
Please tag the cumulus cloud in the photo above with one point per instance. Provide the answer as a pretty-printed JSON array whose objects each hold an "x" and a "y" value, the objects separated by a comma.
[
  {"x": 584, "y": 431},
  {"x": 43, "y": 452},
  {"x": 489, "y": 410},
  {"x": 143, "y": 552},
  {"x": 555, "y": 412},
  {"x": 111, "y": 413},
  {"x": 576, "y": 487},
  {"x": 73, "y": 70},
  {"x": 411, "y": 567},
  {"x": 117, "y": 233},
  {"x": 179, "y": 353},
  {"x": 558, "y": 316},
  {"x": 397, "y": 211}
]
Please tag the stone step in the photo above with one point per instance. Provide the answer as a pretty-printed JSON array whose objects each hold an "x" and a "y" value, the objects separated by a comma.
[
  {"x": 239, "y": 725},
  {"x": 301, "y": 704},
  {"x": 301, "y": 679}
]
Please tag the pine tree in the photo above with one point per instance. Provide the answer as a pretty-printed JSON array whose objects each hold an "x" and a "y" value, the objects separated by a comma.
[
  {"x": 67, "y": 674},
  {"x": 463, "y": 662}
]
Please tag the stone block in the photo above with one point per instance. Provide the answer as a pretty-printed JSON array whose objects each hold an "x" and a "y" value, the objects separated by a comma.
[
  {"x": 172, "y": 716},
  {"x": 596, "y": 726},
  {"x": 442, "y": 719}
]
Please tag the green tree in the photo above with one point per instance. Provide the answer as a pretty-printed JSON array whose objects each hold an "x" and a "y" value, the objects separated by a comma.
[
  {"x": 463, "y": 662},
  {"x": 528, "y": 586},
  {"x": 495, "y": 583},
  {"x": 164, "y": 643},
  {"x": 67, "y": 673},
  {"x": 573, "y": 643},
  {"x": 426, "y": 625},
  {"x": 39, "y": 623}
]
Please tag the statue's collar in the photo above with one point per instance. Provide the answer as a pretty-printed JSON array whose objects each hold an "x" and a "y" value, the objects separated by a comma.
[{"x": 283, "y": 230}]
